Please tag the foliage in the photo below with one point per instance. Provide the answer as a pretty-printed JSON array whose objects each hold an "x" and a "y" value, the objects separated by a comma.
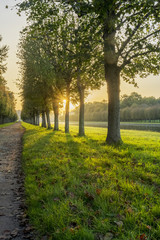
[
  {"x": 133, "y": 107},
  {"x": 7, "y": 104},
  {"x": 36, "y": 76},
  {"x": 3, "y": 56},
  {"x": 7, "y": 101},
  {"x": 125, "y": 31},
  {"x": 131, "y": 29},
  {"x": 135, "y": 98},
  {"x": 73, "y": 58},
  {"x": 78, "y": 188},
  {"x": 96, "y": 111}
]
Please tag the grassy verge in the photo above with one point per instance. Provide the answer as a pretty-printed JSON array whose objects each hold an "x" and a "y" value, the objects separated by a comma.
[
  {"x": 80, "y": 188},
  {"x": 6, "y": 124}
]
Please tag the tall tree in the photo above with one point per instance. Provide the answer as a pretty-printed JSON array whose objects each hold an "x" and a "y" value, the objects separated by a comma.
[
  {"x": 74, "y": 53},
  {"x": 7, "y": 101},
  {"x": 3, "y": 56},
  {"x": 87, "y": 57},
  {"x": 129, "y": 30},
  {"x": 34, "y": 82}
]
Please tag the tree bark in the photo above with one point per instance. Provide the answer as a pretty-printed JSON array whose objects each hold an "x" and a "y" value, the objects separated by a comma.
[
  {"x": 43, "y": 119},
  {"x": 56, "y": 115},
  {"x": 48, "y": 119},
  {"x": 67, "y": 109},
  {"x": 1, "y": 120},
  {"x": 81, "y": 111},
  {"x": 37, "y": 119},
  {"x": 34, "y": 119},
  {"x": 112, "y": 76},
  {"x": 113, "y": 85}
]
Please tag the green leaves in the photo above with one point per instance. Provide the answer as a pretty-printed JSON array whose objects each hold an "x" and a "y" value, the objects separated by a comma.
[
  {"x": 7, "y": 101},
  {"x": 3, "y": 57}
]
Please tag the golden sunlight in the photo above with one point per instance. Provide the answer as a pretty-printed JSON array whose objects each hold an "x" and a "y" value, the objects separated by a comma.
[{"x": 71, "y": 106}]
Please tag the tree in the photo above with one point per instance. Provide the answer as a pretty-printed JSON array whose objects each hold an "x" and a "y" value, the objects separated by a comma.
[
  {"x": 128, "y": 101},
  {"x": 3, "y": 56},
  {"x": 7, "y": 101},
  {"x": 76, "y": 54},
  {"x": 36, "y": 81},
  {"x": 88, "y": 67},
  {"x": 129, "y": 31}
]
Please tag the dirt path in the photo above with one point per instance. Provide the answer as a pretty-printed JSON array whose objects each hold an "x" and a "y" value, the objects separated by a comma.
[{"x": 13, "y": 221}]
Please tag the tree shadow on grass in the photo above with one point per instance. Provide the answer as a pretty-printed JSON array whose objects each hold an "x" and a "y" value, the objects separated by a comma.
[
  {"x": 31, "y": 132},
  {"x": 73, "y": 147},
  {"x": 77, "y": 156},
  {"x": 99, "y": 144},
  {"x": 129, "y": 158},
  {"x": 123, "y": 151},
  {"x": 41, "y": 142}
]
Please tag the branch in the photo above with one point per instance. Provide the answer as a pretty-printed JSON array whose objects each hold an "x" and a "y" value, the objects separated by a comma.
[
  {"x": 122, "y": 22},
  {"x": 132, "y": 34},
  {"x": 140, "y": 40},
  {"x": 80, "y": 8},
  {"x": 69, "y": 50},
  {"x": 134, "y": 56}
]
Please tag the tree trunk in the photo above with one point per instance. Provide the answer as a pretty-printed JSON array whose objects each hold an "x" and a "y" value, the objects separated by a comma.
[
  {"x": 43, "y": 119},
  {"x": 113, "y": 85},
  {"x": 112, "y": 75},
  {"x": 33, "y": 119},
  {"x": 48, "y": 119},
  {"x": 67, "y": 109},
  {"x": 37, "y": 120},
  {"x": 56, "y": 115},
  {"x": 81, "y": 111}
]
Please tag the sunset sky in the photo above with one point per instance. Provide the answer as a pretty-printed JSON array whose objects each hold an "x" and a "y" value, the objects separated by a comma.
[{"x": 11, "y": 25}]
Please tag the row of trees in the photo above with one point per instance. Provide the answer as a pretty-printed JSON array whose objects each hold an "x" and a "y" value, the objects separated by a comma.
[
  {"x": 57, "y": 64},
  {"x": 135, "y": 107},
  {"x": 7, "y": 101},
  {"x": 72, "y": 46},
  {"x": 132, "y": 108},
  {"x": 140, "y": 113}
]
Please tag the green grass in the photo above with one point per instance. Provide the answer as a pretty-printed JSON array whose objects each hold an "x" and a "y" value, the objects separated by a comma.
[
  {"x": 79, "y": 188},
  {"x": 6, "y": 124}
]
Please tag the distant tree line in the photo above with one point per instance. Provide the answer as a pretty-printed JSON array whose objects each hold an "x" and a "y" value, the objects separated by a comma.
[
  {"x": 7, "y": 101},
  {"x": 133, "y": 107}
]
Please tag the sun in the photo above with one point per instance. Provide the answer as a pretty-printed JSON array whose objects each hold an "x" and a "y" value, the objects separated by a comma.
[{"x": 71, "y": 106}]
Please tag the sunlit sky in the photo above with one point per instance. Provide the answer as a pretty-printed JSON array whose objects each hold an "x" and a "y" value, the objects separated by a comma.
[{"x": 11, "y": 25}]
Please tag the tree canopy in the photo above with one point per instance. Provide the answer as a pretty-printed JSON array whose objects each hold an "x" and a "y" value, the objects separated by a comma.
[
  {"x": 121, "y": 35},
  {"x": 7, "y": 101}
]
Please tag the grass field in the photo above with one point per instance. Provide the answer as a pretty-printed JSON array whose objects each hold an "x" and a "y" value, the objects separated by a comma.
[
  {"x": 81, "y": 189},
  {"x": 144, "y": 126},
  {"x": 6, "y": 124}
]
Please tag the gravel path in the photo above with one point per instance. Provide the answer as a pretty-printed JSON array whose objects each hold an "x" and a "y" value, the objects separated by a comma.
[{"x": 13, "y": 220}]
